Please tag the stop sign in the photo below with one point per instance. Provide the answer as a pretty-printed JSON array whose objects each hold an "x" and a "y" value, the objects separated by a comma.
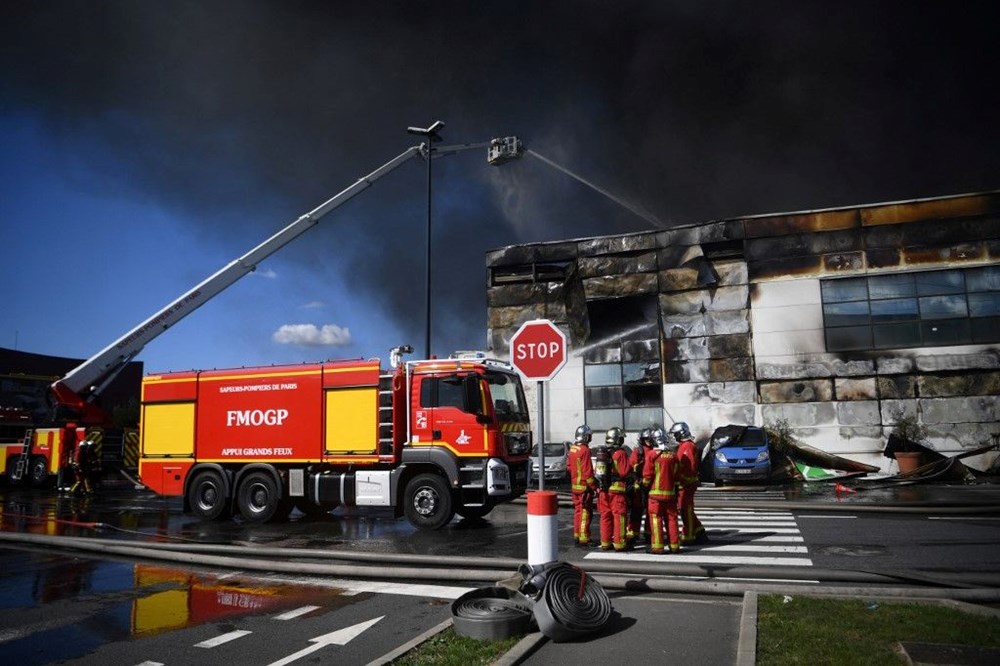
[{"x": 538, "y": 350}]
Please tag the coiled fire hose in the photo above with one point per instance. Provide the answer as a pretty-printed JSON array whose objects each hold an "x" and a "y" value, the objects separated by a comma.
[
  {"x": 571, "y": 603},
  {"x": 491, "y": 613}
]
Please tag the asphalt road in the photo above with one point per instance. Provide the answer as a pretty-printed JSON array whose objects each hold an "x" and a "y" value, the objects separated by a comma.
[{"x": 70, "y": 608}]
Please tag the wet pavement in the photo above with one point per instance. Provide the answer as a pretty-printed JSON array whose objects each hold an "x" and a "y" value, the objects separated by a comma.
[{"x": 99, "y": 601}]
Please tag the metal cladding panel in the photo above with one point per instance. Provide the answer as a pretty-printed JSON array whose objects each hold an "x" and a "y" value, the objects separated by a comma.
[
  {"x": 271, "y": 414},
  {"x": 356, "y": 373},
  {"x": 172, "y": 387}
]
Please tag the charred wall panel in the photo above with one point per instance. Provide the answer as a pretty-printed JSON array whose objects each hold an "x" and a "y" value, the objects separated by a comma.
[{"x": 702, "y": 277}]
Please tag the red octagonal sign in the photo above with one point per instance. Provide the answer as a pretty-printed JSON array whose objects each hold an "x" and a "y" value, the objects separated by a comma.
[{"x": 538, "y": 350}]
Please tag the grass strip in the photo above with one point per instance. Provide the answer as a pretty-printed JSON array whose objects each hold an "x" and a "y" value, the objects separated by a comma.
[
  {"x": 449, "y": 649},
  {"x": 810, "y": 630}
]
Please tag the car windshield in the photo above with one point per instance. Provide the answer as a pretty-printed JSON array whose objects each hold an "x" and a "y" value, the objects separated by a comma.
[
  {"x": 508, "y": 397},
  {"x": 552, "y": 450},
  {"x": 753, "y": 437}
]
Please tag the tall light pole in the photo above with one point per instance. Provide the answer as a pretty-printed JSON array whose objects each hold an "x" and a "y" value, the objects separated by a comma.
[{"x": 432, "y": 136}]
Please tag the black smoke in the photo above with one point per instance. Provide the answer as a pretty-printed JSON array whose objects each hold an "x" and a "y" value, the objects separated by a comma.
[{"x": 246, "y": 114}]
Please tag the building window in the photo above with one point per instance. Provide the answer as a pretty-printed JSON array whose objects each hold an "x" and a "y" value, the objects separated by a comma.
[
  {"x": 550, "y": 271},
  {"x": 621, "y": 374},
  {"x": 926, "y": 309}
]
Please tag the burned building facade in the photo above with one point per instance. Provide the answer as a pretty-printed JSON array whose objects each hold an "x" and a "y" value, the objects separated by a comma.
[{"x": 831, "y": 322}]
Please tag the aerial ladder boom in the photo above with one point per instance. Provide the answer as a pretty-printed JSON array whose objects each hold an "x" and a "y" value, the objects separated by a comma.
[
  {"x": 81, "y": 386},
  {"x": 78, "y": 389}
]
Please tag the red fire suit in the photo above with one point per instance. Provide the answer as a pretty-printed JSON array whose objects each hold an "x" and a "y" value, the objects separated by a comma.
[
  {"x": 638, "y": 506},
  {"x": 659, "y": 476},
  {"x": 82, "y": 464},
  {"x": 688, "y": 481},
  {"x": 612, "y": 505},
  {"x": 583, "y": 485}
]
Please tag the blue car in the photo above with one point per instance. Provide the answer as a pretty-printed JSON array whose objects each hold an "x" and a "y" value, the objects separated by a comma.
[{"x": 740, "y": 453}]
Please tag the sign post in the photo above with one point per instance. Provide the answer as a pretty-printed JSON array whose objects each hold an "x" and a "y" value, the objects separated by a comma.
[{"x": 538, "y": 352}]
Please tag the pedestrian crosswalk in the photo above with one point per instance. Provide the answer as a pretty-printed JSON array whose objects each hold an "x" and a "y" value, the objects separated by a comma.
[{"x": 736, "y": 537}]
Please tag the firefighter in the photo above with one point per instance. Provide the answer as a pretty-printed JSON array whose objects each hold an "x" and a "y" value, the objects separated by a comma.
[
  {"x": 66, "y": 456},
  {"x": 659, "y": 477},
  {"x": 687, "y": 455},
  {"x": 638, "y": 520},
  {"x": 82, "y": 466},
  {"x": 612, "y": 473},
  {"x": 583, "y": 485}
]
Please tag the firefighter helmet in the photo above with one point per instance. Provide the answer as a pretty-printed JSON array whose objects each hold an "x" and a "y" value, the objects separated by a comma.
[
  {"x": 584, "y": 434},
  {"x": 680, "y": 431},
  {"x": 646, "y": 437},
  {"x": 615, "y": 437},
  {"x": 660, "y": 439}
]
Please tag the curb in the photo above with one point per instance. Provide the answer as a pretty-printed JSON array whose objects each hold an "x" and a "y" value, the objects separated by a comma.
[
  {"x": 746, "y": 646},
  {"x": 409, "y": 645},
  {"x": 524, "y": 648}
]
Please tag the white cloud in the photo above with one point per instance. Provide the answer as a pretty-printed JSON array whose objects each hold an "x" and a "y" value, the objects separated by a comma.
[
  {"x": 266, "y": 273},
  {"x": 309, "y": 335},
  {"x": 314, "y": 305}
]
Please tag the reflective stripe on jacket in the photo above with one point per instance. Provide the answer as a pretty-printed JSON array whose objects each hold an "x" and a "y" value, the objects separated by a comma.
[
  {"x": 581, "y": 468},
  {"x": 688, "y": 475},
  {"x": 660, "y": 474},
  {"x": 620, "y": 460}
]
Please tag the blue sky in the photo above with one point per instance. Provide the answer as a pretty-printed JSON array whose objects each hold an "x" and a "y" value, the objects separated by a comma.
[
  {"x": 143, "y": 146},
  {"x": 89, "y": 268}
]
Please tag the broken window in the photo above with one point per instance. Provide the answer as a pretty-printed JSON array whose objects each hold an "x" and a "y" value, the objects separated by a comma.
[
  {"x": 621, "y": 374},
  {"x": 925, "y": 309},
  {"x": 550, "y": 271}
]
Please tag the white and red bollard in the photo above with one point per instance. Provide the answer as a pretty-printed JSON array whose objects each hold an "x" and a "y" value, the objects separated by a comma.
[{"x": 543, "y": 527}]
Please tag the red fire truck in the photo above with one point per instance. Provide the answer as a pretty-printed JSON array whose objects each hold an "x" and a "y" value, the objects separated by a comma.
[
  {"x": 41, "y": 454},
  {"x": 428, "y": 438}
]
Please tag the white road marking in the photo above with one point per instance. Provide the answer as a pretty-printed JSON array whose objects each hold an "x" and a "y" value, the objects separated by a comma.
[
  {"x": 292, "y": 614},
  {"x": 351, "y": 587},
  {"x": 758, "y": 529},
  {"x": 224, "y": 638},
  {"x": 747, "y": 514},
  {"x": 751, "y": 548},
  {"x": 751, "y": 522},
  {"x": 770, "y": 539},
  {"x": 339, "y": 637},
  {"x": 835, "y": 517}
]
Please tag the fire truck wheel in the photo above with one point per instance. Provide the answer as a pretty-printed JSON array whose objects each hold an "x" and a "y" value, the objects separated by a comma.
[
  {"x": 207, "y": 495},
  {"x": 427, "y": 502},
  {"x": 38, "y": 472},
  {"x": 258, "y": 497}
]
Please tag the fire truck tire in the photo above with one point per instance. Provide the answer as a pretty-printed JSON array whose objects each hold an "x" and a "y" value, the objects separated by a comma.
[
  {"x": 38, "y": 472},
  {"x": 207, "y": 495},
  {"x": 427, "y": 502},
  {"x": 258, "y": 497}
]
